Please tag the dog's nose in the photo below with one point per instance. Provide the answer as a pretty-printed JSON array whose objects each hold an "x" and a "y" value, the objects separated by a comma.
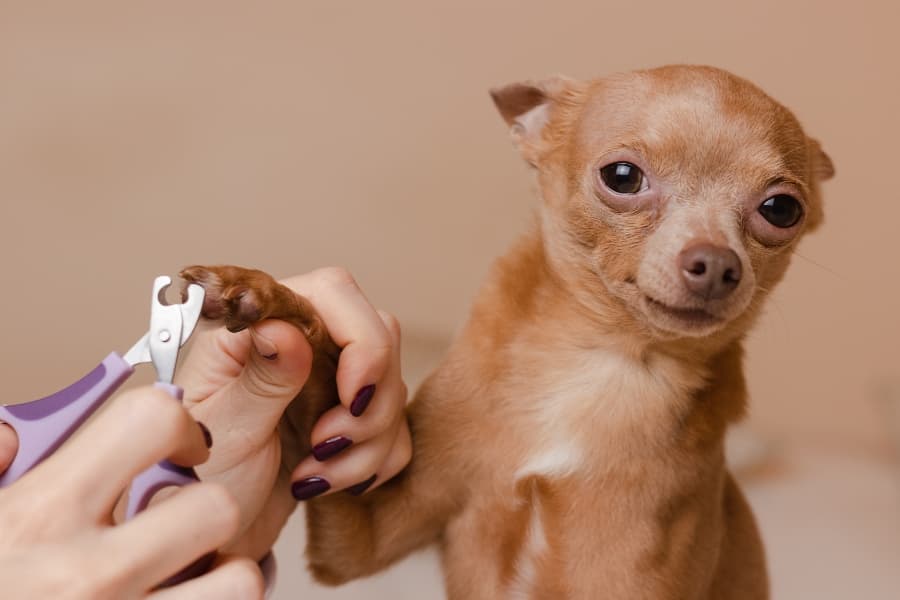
[{"x": 709, "y": 271}]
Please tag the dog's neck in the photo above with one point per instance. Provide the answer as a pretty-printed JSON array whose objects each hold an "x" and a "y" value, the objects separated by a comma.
[{"x": 528, "y": 318}]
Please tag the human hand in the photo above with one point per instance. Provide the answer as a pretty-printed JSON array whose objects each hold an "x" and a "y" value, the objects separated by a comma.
[
  {"x": 59, "y": 538},
  {"x": 241, "y": 395}
]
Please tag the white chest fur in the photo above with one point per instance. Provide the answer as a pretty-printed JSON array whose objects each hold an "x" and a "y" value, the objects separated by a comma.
[{"x": 576, "y": 404}]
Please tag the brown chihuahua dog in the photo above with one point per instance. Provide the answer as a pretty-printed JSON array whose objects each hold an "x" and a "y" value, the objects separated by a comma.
[{"x": 570, "y": 445}]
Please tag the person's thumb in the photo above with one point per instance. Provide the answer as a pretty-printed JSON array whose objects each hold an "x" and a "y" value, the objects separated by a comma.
[{"x": 276, "y": 363}]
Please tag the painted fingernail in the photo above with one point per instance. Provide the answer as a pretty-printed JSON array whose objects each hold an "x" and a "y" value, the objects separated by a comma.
[
  {"x": 207, "y": 436},
  {"x": 266, "y": 347},
  {"x": 362, "y": 486},
  {"x": 237, "y": 328},
  {"x": 325, "y": 450},
  {"x": 309, "y": 488},
  {"x": 361, "y": 402}
]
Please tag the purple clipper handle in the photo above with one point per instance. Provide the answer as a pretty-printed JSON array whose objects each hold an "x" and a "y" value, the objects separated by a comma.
[
  {"x": 160, "y": 475},
  {"x": 43, "y": 425}
]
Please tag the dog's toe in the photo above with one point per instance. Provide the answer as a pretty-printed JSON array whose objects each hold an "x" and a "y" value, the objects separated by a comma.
[
  {"x": 214, "y": 305},
  {"x": 233, "y": 294}
]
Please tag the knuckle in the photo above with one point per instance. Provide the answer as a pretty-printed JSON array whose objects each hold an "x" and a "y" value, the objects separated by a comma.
[
  {"x": 382, "y": 421},
  {"x": 334, "y": 277},
  {"x": 380, "y": 352},
  {"x": 393, "y": 466},
  {"x": 391, "y": 323}
]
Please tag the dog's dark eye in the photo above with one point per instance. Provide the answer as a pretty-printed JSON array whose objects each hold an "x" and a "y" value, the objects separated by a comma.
[
  {"x": 781, "y": 210},
  {"x": 622, "y": 177}
]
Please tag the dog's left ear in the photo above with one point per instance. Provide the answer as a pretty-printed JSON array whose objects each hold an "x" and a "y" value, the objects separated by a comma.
[
  {"x": 822, "y": 167},
  {"x": 528, "y": 107}
]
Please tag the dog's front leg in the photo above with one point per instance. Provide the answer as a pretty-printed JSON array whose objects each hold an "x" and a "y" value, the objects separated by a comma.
[{"x": 350, "y": 537}]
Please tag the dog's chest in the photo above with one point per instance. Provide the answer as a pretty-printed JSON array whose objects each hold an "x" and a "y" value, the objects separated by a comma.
[
  {"x": 586, "y": 423},
  {"x": 580, "y": 413}
]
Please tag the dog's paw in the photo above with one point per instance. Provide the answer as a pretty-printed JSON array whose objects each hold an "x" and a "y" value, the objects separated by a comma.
[{"x": 240, "y": 297}]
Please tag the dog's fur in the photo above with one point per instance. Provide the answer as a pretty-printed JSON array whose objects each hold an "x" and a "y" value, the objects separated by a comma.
[{"x": 570, "y": 445}]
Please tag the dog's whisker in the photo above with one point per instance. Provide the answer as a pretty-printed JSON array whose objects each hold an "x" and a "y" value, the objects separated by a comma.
[
  {"x": 781, "y": 315},
  {"x": 818, "y": 264}
]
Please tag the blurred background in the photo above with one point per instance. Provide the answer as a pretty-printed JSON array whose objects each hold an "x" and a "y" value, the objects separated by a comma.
[{"x": 136, "y": 138}]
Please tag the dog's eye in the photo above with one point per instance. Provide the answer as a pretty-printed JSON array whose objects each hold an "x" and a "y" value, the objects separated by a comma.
[
  {"x": 781, "y": 210},
  {"x": 623, "y": 178}
]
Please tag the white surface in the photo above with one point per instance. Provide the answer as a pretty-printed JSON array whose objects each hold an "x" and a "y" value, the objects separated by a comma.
[
  {"x": 417, "y": 578},
  {"x": 831, "y": 524}
]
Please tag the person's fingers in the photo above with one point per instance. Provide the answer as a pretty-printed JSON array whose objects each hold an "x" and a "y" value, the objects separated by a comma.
[
  {"x": 253, "y": 399},
  {"x": 337, "y": 429},
  {"x": 173, "y": 533},
  {"x": 356, "y": 327},
  {"x": 140, "y": 428},
  {"x": 311, "y": 480},
  {"x": 234, "y": 578},
  {"x": 9, "y": 445},
  {"x": 398, "y": 456},
  {"x": 359, "y": 464}
]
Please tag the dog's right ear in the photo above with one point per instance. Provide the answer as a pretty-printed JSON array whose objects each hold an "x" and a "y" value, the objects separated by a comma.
[{"x": 526, "y": 108}]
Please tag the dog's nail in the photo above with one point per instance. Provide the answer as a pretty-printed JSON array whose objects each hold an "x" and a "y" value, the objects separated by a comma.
[
  {"x": 309, "y": 488},
  {"x": 266, "y": 347},
  {"x": 237, "y": 328},
  {"x": 207, "y": 436},
  {"x": 246, "y": 307},
  {"x": 361, "y": 401},
  {"x": 360, "y": 488},
  {"x": 325, "y": 450}
]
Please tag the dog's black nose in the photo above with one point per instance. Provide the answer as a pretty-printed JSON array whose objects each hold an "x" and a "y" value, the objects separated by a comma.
[{"x": 709, "y": 271}]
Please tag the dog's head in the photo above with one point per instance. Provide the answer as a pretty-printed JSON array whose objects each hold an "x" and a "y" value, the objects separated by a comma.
[{"x": 674, "y": 195}]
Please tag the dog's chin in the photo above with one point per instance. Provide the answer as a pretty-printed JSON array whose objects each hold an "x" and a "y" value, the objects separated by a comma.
[{"x": 671, "y": 320}]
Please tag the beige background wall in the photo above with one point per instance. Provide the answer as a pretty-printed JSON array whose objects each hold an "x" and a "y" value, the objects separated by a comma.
[{"x": 138, "y": 137}]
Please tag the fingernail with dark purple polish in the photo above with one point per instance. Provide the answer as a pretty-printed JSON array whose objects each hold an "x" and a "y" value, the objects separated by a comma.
[
  {"x": 207, "y": 436},
  {"x": 361, "y": 402},
  {"x": 270, "y": 356},
  {"x": 330, "y": 447},
  {"x": 309, "y": 488},
  {"x": 237, "y": 328},
  {"x": 361, "y": 487}
]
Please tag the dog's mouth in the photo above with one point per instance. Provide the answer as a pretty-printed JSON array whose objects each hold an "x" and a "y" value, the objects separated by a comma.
[{"x": 683, "y": 318}]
